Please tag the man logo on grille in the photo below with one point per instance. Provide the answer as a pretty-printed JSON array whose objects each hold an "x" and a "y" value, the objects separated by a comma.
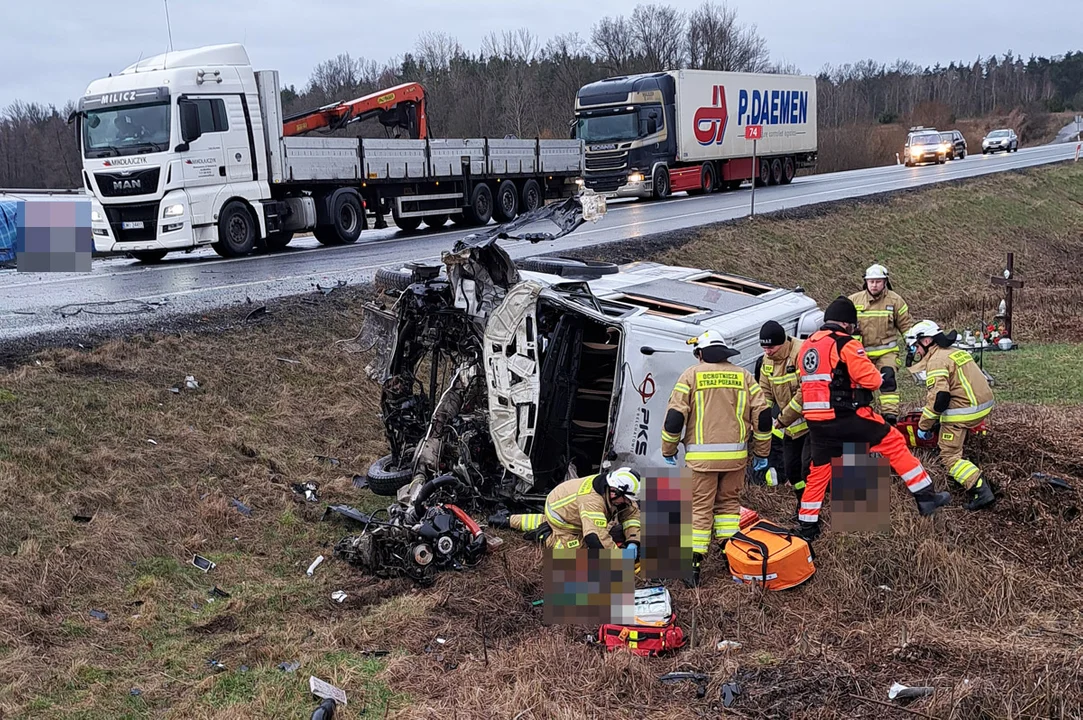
[{"x": 810, "y": 360}]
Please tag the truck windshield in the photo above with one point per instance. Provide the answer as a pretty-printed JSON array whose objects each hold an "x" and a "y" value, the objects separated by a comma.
[
  {"x": 126, "y": 130},
  {"x": 619, "y": 127}
]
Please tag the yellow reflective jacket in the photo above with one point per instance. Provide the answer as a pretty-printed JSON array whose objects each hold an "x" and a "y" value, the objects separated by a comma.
[
  {"x": 780, "y": 381},
  {"x": 575, "y": 507},
  {"x": 720, "y": 406},
  {"x": 968, "y": 396},
  {"x": 880, "y": 321}
]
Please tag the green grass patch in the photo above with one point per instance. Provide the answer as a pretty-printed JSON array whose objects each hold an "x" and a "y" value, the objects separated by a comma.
[{"x": 1042, "y": 374}]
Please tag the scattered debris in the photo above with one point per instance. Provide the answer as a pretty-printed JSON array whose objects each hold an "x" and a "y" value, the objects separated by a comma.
[
  {"x": 216, "y": 665},
  {"x": 696, "y": 677},
  {"x": 730, "y": 691},
  {"x": 152, "y": 442},
  {"x": 259, "y": 312},
  {"x": 175, "y": 390},
  {"x": 350, "y": 513},
  {"x": 315, "y": 564},
  {"x": 308, "y": 490},
  {"x": 243, "y": 669},
  {"x": 333, "y": 461},
  {"x": 219, "y": 592},
  {"x": 289, "y": 667},
  {"x": 537, "y": 603},
  {"x": 100, "y": 615},
  {"x": 339, "y": 596},
  {"x": 203, "y": 563},
  {"x": 329, "y": 290},
  {"x": 441, "y": 641},
  {"x": 287, "y": 360},
  {"x": 241, "y": 507},
  {"x": 135, "y": 692},
  {"x": 190, "y": 383},
  {"x": 885, "y": 588},
  {"x": 82, "y": 518},
  {"x": 1052, "y": 480},
  {"x": 375, "y": 653},
  {"x": 898, "y": 691},
  {"x": 727, "y": 645},
  {"x": 326, "y": 691},
  {"x": 360, "y": 481}
]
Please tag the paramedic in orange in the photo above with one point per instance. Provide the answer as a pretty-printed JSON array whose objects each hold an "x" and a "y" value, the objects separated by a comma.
[
  {"x": 837, "y": 385},
  {"x": 719, "y": 407}
]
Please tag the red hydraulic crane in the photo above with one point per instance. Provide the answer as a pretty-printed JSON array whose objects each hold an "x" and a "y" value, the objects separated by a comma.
[{"x": 401, "y": 106}]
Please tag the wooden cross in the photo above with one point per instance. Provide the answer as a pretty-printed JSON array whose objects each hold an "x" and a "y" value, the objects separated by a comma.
[{"x": 1009, "y": 283}]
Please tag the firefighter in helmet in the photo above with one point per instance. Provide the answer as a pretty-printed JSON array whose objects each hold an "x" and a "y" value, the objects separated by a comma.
[
  {"x": 958, "y": 398},
  {"x": 780, "y": 380},
  {"x": 882, "y": 316},
  {"x": 719, "y": 407},
  {"x": 837, "y": 383}
]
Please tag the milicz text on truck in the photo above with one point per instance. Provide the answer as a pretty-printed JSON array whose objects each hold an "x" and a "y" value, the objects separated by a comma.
[
  {"x": 190, "y": 148},
  {"x": 653, "y": 135}
]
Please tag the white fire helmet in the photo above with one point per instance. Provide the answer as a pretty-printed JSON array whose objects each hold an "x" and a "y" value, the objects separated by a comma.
[
  {"x": 876, "y": 272},
  {"x": 710, "y": 338},
  {"x": 626, "y": 482},
  {"x": 925, "y": 328}
]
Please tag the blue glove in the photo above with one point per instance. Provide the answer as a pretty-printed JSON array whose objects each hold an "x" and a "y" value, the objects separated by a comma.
[
  {"x": 670, "y": 460},
  {"x": 759, "y": 464},
  {"x": 924, "y": 434},
  {"x": 630, "y": 551}
]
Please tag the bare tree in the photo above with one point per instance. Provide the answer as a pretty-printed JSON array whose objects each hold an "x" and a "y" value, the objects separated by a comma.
[
  {"x": 614, "y": 44},
  {"x": 659, "y": 31},
  {"x": 717, "y": 41}
]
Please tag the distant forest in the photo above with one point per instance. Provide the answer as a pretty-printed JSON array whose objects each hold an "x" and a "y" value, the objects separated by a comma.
[{"x": 519, "y": 84}]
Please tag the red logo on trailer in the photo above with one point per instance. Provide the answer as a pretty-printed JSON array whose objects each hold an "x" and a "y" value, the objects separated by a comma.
[
  {"x": 753, "y": 132},
  {"x": 709, "y": 123}
]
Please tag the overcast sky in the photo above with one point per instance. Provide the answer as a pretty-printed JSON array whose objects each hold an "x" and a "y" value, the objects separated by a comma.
[{"x": 51, "y": 49}]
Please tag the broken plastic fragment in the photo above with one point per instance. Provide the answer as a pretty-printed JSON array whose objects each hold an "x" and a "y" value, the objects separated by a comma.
[
  {"x": 360, "y": 481},
  {"x": 152, "y": 442},
  {"x": 727, "y": 645},
  {"x": 1053, "y": 481},
  {"x": 190, "y": 383},
  {"x": 898, "y": 691},
  {"x": 216, "y": 665},
  {"x": 82, "y": 518},
  {"x": 289, "y": 666},
  {"x": 339, "y": 596},
  {"x": 135, "y": 692},
  {"x": 697, "y": 677},
  {"x": 203, "y": 563},
  {"x": 288, "y": 360},
  {"x": 99, "y": 615},
  {"x": 308, "y": 490},
  {"x": 326, "y": 691},
  {"x": 241, "y": 507},
  {"x": 219, "y": 592},
  {"x": 730, "y": 691},
  {"x": 315, "y": 564},
  {"x": 333, "y": 461},
  {"x": 243, "y": 669}
]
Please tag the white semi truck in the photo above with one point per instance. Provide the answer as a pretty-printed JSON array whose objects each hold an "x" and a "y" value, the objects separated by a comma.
[
  {"x": 190, "y": 148},
  {"x": 652, "y": 135}
]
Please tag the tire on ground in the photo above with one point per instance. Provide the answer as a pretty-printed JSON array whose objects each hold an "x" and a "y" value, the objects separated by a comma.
[
  {"x": 387, "y": 482},
  {"x": 566, "y": 267},
  {"x": 764, "y": 176},
  {"x": 279, "y": 240},
  {"x": 506, "y": 202},
  {"x": 435, "y": 221},
  {"x": 237, "y": 230},
  {"x": 789, "y": 169},
  {"x": 392, "y": 278},
  {"x": 531, "y": 197},
  {"x": 776, "y": 171},
  {"x": 406, "y": 224}
]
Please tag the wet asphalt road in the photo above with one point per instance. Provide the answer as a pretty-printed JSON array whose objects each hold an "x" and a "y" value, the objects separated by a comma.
[{"x": 198, "y": 282}]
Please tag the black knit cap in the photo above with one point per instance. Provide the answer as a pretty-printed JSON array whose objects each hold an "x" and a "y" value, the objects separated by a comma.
[
  {"x": 841, "y": 310},
  {"x": 772, "y": 334}
]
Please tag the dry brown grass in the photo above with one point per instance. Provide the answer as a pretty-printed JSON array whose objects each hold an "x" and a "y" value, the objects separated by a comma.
[{"x": 986, "y": 607}]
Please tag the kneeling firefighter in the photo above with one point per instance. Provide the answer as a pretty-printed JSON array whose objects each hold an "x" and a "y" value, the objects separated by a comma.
[
  {"x": 578, "y": 513},
  {"x": 837, "y": 384},
  {"x": 780, "y": 382},
  {"x": 958, "y": 398},
  {"x": 719, "y": 407}
]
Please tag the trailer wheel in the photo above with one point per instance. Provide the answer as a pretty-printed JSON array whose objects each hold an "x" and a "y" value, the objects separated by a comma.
[
  {"x": 764, "y": 177},
  {"x": 660, "y": 183},
  {"x": 387, "y": 481},
  {"x": 531, "y": 197},
  {"x": 789, "y": 169},
  {"x": 347, "y": 220},
  {"x": 507, "y": 202},
  {"x": 435, "y": 221},
  {"x": 776, "y": 171},
  {"x": 406, "y": 224},
  {"x": 480, "y": 209},
  {"x": 236, "y": 231},
  {"x": 706, "y": 178},
  {"x": 279, "y": 240}
]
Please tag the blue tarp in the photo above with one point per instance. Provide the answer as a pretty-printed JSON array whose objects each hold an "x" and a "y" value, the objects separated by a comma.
[{"x": 8, "y": 230}]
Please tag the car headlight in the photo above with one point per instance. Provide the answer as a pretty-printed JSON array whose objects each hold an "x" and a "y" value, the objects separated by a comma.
[
  {"x": 944, "y": 147},
  {"x": 173, "y": 211},
  {"x": 635, "y": 177}
]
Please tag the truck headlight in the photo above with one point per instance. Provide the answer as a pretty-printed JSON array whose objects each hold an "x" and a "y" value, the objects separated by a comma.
[
  {"x": 173, "y": 211},
  {"x": 96, "y": 216},
  {"x": 635, "y": 177}
]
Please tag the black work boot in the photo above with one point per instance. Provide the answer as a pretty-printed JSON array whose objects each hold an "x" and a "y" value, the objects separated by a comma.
[
  {"x": 929, "y": 500},
  {"x": 499, "y": 519},
  {"x": 981, "y": 495},
  {"x": 808, "y": 531},
  {"x": 891, "y": 419},
  {"x": 540, "y": 535},
  {"x": 697, "y": 564}
]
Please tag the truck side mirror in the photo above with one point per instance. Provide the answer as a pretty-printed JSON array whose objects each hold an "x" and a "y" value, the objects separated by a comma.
[{"x": 189, "y": 124}]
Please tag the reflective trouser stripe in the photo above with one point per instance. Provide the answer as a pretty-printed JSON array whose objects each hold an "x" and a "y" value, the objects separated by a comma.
[
  {"x": 963, "y": 471},
  {"x": 917, "y": 479},
  {"x": 889, "y": 399},
  {"x": 701, "y": 541},
  {"x": 527, "y": 522},
  {"x": 809, "y": 512},
  {"x": 965, "y": 414},
  {"x": 726, "y": 526},
  {"x": 557, "y": 520}
]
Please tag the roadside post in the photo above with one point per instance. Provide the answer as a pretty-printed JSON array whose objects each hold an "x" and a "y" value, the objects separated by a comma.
[{"x": 754, "y": 133}]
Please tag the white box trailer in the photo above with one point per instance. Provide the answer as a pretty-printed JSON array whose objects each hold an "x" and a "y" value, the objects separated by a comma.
[{"x": 684, "y": 130}]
